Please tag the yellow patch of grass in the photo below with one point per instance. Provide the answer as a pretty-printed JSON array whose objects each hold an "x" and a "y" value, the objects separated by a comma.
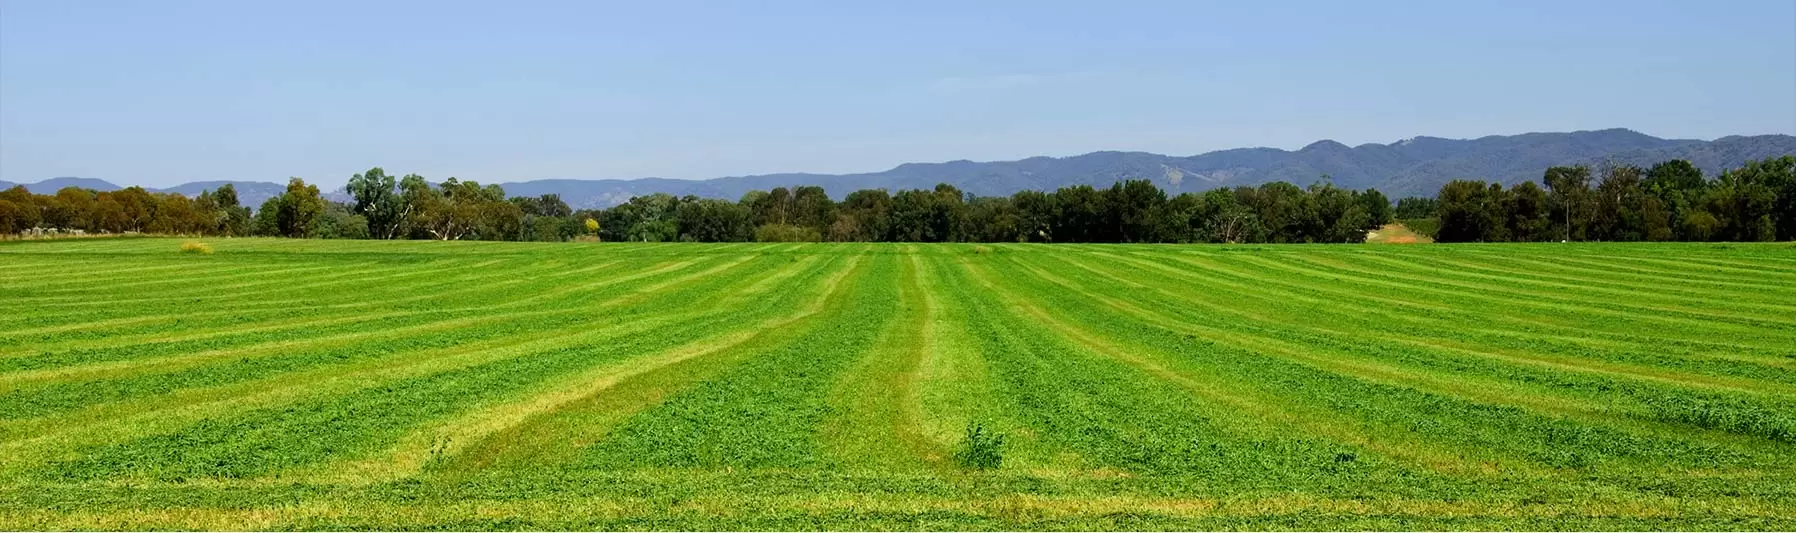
[
  {"x": 191, "y": 247},
  {"x": 1396, "y": 234}
]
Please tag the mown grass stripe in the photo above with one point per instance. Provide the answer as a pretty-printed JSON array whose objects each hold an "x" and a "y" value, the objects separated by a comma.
[
  {"x": 1339, "y": 351},
  {"x": 877, "y": 424},
  {"x": 1526, "y": 332},
  {"x": 1232, "y": 409},
  {"x": 499, "y": 426},
  {"x": 1529, "y": 437},
  {"x": 1473, "y": 275}
]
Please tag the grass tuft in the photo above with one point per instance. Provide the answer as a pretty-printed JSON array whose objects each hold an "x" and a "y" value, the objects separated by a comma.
[
  {"x": 980, "y": 449},
  {"x": 191, "y": 247}
]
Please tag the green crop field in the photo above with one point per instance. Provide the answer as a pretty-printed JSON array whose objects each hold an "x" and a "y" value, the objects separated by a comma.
[{"x": 306, "y": 384}]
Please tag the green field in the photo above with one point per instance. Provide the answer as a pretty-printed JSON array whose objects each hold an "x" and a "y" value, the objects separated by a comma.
[{"x": 305, "y": 384}]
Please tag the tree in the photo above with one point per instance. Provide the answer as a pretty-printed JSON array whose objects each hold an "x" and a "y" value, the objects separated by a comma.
[
  {"x": 1377, "y": 207},
  {"x": 460, "y": 209},
  {"x": 710, "y": 220},
  {"x": 1129, "y": 207},
  {"x": 1570, "y": 199},
  {"x": 136, "y": 206},
  {"x": 1745, "y": 200},
  {"x": 52, "y": 211},
  {"x": 267, "y": 221},
  {"x": 1334, "y": 215},
  {"x": 18, "y": 210},
  {"x": 108, "y": 214},
  {"x": 1677, "y": 185},
  {"x": 1527, "y": 214},
  {"x": 547, "y": 205},
  {"x": 297, "y": 213},
  {"x": 339, "y": 222},
  {"x": 812, "y": 208},
  {"x": 82, "y": 208},
  {"x": 770, "y": 207},
  {"x": 1777, "y": 178},
  {"x": 416, "y": 197},
  {"x": 1415, "y": 207},
  {"x": 1176, "y": 219},
  {"x": 1471, "y": 211},
  {"x": 231, "y": 217},
  {"x": 377, "y": 200},
  {"x": 1079, "y": 214},
  {"x": 1279, "y": 206},
  {"x": 865, "y": 215},
  {"x": 1618, "y": 209},
  {"x": 1222, "y": 217},
  {"x": 1035, "y": 215},
  {"x": 992, "y": 219}
]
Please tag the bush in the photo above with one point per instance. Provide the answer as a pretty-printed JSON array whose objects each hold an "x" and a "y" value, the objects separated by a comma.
[
  {"x": 787, "y": 233},
  {"x": 191, "y": 247},
  {"x": 980, "y": 449},
  {"x": 1422, "y": 226}
]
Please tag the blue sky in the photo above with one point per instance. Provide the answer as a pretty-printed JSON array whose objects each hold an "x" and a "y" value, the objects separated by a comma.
[{"x": 164, "y": 92}]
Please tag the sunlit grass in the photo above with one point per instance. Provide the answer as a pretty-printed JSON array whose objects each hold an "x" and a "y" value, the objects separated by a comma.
[{"x": 291, "y": 384}]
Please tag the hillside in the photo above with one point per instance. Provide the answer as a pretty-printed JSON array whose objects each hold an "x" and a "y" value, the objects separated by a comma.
[{"x": 1411, "y": 167}]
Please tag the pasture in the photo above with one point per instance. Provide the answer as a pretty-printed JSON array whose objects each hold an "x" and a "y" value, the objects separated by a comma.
[{"x": 306, "y": 384}]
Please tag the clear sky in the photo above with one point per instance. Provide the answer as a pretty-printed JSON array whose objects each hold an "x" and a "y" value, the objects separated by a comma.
[{"x": 163, "y": 92}]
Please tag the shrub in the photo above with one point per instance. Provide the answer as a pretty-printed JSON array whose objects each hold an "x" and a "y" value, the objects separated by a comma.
[
  {"x": 787, "y": 233},
  {"x": 191, "y": 247},
  {"x": 1422, "y": 226},
  {"x": 980, "y": 449}
]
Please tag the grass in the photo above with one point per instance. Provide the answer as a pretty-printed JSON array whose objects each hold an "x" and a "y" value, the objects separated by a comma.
[{"x": 291, "y": 384}]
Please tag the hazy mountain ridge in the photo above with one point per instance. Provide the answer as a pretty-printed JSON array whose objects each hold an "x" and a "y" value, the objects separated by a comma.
[{"x": 1411, "y": 167}]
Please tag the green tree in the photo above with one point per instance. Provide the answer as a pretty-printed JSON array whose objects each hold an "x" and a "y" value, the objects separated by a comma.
[
  {"x": 377, "y": 200},
  {"x": 1527, "y": 214},
  {"x": 232, "y": 218},
  {"x": 19, "y": 211},
  {"x": 1677, "y": 185},
  {"x": 1414, "y": 207},
  {"x": 1570, "y": 200},
  {"x": 711, "y": 220},
  {"x": 993, "y": 219},
  {"x": 1619, "y": 211},
  {"x": 1221, "y": 216},
  {"x": 298, "y": 210},
  {"x": 1377, "y": 207},
  {"x": 1129, "y": 207},
  {"x": 1471, "y": 211},
  {"x": 1036, "y": 215},
  {"x": 864, "y": 216},
  {"x": 1079, "y": 214}
]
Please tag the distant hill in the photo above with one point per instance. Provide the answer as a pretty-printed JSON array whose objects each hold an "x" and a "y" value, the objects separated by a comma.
[
  {"x": 1411, "y": 167},
  {"x": 56, "y": 184},
  {"x": 249, "y": 193}
]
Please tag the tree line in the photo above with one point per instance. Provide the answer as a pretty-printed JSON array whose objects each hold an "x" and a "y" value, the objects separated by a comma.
[
  {"x": 386, "y": 207},
  {"x": 1669, "y": 201}
]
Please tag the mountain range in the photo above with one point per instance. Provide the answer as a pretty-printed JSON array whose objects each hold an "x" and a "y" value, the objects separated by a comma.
[{"x": 1411, "y": 167}]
